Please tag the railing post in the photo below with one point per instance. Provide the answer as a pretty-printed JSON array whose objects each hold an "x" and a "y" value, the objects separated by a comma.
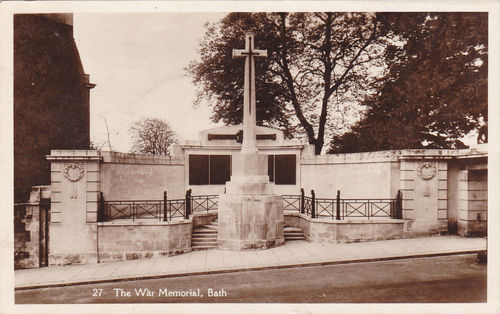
[
  {"x": 399, "y": 205},
  {"x": 302, "y": 206},
  {"x": 313, "y": 204},
  {"x": 165, "y": 206},
  {"x": 101, "y": 216},
  {"x": 338, "y": 205},
  {"x": 133, "y": 210},
  {"x": 188, "y": 203}
]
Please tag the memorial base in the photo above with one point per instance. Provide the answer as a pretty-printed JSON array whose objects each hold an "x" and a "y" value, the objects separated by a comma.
[{"x": 250, "y": 222}]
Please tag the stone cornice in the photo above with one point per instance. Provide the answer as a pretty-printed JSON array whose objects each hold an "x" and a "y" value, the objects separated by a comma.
[{"x": 74, "y": 155}]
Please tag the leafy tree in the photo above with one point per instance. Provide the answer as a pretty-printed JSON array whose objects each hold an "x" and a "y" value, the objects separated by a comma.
[
  {"x": 435, "y": 91},
  {"x": 318, "y": 64},
  {"x": 152, "y": 136}
]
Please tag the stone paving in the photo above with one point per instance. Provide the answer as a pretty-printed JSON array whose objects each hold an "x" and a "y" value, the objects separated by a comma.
[{"x": 292, "y": 254}]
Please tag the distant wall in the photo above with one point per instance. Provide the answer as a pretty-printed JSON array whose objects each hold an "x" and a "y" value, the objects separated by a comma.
[
  {"x": 141, "y": 177},
  {"x": 359, "y": 175}
]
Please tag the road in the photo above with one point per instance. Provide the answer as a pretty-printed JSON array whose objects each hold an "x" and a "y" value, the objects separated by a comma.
[{"x": 438, "y": 279}]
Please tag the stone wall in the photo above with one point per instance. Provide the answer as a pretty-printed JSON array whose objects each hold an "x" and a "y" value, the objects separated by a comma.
[
  {"x": 345, "y": 231},
  {"x": 30, "y": 229},
  {"x": 359, "y": 175},
  {"x": 135, "y": 240},
  {"x": 422, "y": 175},
  {"x": 141, "y": 177},
  {"x": 26, "y": 235}
]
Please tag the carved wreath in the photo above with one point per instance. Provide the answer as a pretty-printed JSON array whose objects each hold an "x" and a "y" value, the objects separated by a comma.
[
  {"x": 73, "y": 172},
  {"x": 426, "y": 170}
]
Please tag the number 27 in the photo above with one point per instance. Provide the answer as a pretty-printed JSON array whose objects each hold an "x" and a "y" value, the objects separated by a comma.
[{"x": 96, "y": 292}]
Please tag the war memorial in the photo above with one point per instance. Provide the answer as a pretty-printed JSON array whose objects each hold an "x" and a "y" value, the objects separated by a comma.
[{"x": 245, "y": 187}]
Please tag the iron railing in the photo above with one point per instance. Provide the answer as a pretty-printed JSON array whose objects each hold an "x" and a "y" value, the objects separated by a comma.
[
  {"x": 338, "y": 208},
  {"x": 162, "y": 210},
  {"x": 204, "y": 203},
  {"x": 168, "y": 209}
]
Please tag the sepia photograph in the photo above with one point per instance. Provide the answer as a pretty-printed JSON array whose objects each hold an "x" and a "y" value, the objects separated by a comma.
[{"x": 196, "y": 158}]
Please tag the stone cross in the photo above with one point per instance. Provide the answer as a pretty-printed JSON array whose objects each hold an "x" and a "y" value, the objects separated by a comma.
[{"x": 249, "y": 112}]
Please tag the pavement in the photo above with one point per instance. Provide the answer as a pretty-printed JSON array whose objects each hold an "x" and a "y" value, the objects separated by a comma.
[{"x": 292, "y": 254}]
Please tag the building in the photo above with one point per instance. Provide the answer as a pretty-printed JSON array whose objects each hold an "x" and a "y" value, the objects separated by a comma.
[
  {"x": 51, "y": 96},
  {"x": 51, "y": 110}
]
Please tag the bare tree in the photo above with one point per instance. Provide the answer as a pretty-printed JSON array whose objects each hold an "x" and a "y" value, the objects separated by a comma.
[
  {"x": 152, "y": 136},
  {"x": 107, "y": 132}
]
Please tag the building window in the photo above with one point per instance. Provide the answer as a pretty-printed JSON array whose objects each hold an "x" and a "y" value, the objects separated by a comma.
[
  {"x": 209, "y": 169},
  {"x": 282, "y": 169}
]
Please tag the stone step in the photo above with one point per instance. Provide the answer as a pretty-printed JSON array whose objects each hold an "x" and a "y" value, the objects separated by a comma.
[
  {"x": 203, "y": 243},
  {"x": 291, "y": 229},
  {"x": 205, "y": 230},
  {"x": 293, "y": 233},
  {"x": 210, "y": 237},
  {"x": 214, "y": 240},
  {"x": 205, "y": 247},
  {"x": 204, "y": 240},
  {"x": 204, "y": 236},
  {"x": 294, "y": 238}
]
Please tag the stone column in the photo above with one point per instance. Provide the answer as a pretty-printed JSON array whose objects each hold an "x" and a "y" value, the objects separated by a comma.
[
  {"x": 472, "y": 201},
  {"x": 73, "y": 221},
  {"x": 424, "y": 186}
]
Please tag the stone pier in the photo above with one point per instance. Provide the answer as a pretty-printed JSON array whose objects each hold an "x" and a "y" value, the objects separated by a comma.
[{"x": 250, "y": 214}]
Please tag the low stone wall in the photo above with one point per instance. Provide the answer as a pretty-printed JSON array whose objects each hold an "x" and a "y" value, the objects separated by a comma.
[
  {"x": 30, "y": 230},
  {"x": 345, "y": 231},
  {"x": 135, "y": 240}
]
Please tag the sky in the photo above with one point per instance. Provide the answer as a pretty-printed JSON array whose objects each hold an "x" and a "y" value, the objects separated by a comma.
[{"x": 137, "y": 62}]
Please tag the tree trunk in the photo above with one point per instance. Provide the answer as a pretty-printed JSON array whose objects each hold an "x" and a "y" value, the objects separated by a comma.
[{"x": 318, "y": 146}]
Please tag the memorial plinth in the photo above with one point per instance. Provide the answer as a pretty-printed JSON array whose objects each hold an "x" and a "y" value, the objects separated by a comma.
[{"x": 250, "y": 214}]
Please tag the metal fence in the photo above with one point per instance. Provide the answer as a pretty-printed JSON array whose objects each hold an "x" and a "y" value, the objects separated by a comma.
[
  {"x": 168, "y": 209},
  {"x": 161, "y": 210},
  {"x": 339, "y": 208}
]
